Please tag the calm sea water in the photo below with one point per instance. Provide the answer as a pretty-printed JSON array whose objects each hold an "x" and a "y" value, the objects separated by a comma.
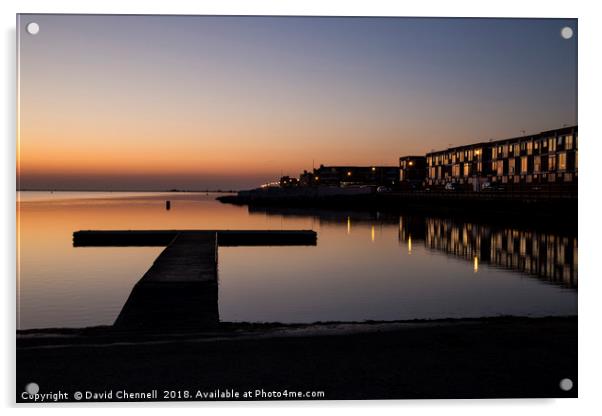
[{"x": 366, "y": 266}]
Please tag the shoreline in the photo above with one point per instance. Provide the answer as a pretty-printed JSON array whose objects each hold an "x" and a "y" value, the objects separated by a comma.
[
  {"x": 107, "y": 335},
  {"x": 257, "y": 326},
  {"x": 542, "y": 205}
]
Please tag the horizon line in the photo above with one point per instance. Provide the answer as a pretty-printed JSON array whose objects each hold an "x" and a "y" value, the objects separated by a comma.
[{"x": 125, "y": 190}]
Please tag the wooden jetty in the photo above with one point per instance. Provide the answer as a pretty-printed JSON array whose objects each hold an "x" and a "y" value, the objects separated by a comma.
[{"x": 180, "y": 290}]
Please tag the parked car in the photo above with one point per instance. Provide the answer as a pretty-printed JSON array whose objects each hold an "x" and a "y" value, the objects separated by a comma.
[
  {"x": 452, "y": 187},
  {"x": 486, "y": 187},
  {"x": 383, "y": 189},
  {"x": 489, "y": 187}
]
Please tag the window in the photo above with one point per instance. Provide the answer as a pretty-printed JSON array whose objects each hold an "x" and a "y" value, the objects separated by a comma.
[
  {"x": 537, "y": 164},
  {"x": 560, "y": 140},
  {"x": 523, "y": 164},
  {"x": 511, "y": 166},
  {"x": 500, "y": 167},
  {"x": 516, "y": 148},
  {"x": 466, "y": 169},
  {"x": 551, "y": 163},
  {"x": 494, "y": 153},
  {"x": 551, "y": 145},
  {"x": 530, "y": 148},
  {"x": 505, "y": 150},
  {"x": 456, "y": 170},
  {"x": 562, "y": 161},
  {"x": 569, "y": 142}
]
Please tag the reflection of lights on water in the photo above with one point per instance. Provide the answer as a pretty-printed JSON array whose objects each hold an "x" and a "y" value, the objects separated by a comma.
[
  {"x": 410, "y": 244},
  {"x": 372, "y": 233},
  {"x": 475, "y": 265},
  {"x": 348, "y": 225}
]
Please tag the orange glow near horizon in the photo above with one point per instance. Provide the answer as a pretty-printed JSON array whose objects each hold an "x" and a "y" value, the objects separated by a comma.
[
  {"x": 65, "y": 150},
  {"x": 52, "y": 144}
]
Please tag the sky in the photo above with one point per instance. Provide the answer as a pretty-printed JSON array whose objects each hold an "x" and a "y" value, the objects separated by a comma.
[{"x": 197, "y": 102}]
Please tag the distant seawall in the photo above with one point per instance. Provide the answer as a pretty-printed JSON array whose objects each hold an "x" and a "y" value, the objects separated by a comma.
[{"x": 560, "y": 205}]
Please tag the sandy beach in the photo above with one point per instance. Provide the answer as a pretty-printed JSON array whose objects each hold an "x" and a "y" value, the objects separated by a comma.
[{"x": 465, "y": 358}]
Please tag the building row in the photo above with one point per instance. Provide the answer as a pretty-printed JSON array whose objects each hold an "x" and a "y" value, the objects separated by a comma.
[{"x": 543, "y": 159}]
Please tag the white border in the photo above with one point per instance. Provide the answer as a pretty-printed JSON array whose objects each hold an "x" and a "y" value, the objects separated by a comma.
[{"x": 590, "y": 146}]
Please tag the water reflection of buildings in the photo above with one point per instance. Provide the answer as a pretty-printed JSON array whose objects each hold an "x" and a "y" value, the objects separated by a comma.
[{"x": 548, "y": 256}]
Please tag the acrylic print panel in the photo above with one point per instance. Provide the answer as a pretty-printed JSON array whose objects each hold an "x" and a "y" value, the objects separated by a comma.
[{"x": 296, "y": 208}]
